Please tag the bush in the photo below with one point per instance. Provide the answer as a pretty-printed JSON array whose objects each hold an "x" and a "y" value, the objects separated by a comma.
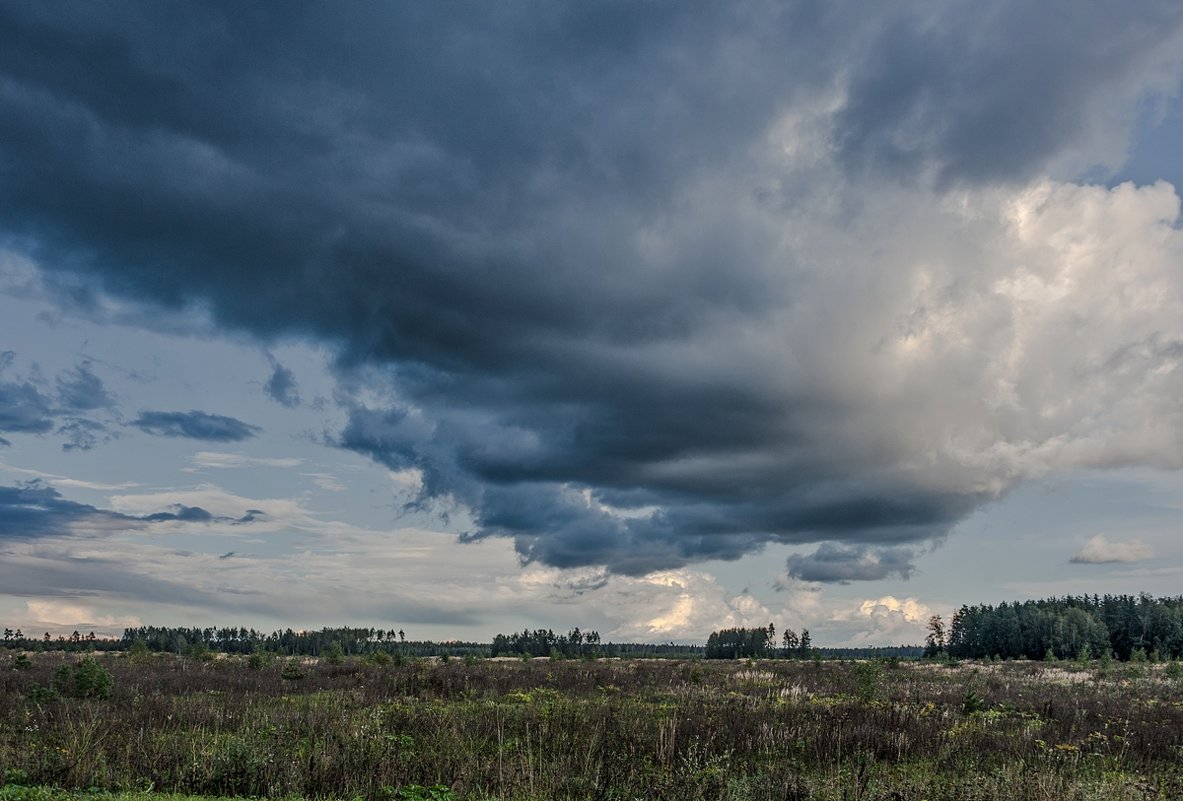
[
  {"x": 63, "y": 681},
  {"x": 87, "y": 679},
  {"x": 867, "y": 676},
  {"x": 972, "y": 703},
  {"x": 39, "y": 694},
  {"x": 260, "y": 659},
  {"x": 291, "y": 670},
  {"x": 333, "y": 653},
  {"x": 138, "y": 653},
  {"x": 22, "y": 662},
  {"x": 92, "y": 680}
]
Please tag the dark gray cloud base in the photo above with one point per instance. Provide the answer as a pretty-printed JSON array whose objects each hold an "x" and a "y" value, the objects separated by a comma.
[
  {"x": 483, "y": 209},
  {"x": 36, "y": 509},
  {"x": 195, "y": 425},
  {"x": 842, "y": 564}
]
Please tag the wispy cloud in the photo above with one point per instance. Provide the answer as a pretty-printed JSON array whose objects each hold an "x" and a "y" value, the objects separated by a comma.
[
  {"x": 221, "y": 461},
  {"x": 67, "y": 482}
]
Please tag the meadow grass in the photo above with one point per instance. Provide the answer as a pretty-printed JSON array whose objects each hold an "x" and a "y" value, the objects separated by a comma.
[{"x": 608, "y": 729}]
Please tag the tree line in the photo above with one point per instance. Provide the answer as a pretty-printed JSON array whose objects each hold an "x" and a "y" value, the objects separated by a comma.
[
  {"x": 758, "y": 643},
  {"x": 196, "y": 641},
  {"x": 577, "y": 643},
  {"x": 1121, "y": 627}
]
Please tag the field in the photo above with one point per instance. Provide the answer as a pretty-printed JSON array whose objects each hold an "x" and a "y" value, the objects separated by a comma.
[{"x": 606, "y": 729}]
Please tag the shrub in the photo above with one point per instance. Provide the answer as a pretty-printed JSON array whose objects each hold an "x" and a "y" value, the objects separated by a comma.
[
  {"x": 39, "y": 694},
  {"x": 867, "y": 676},
  {"x": 87, "y": 679},
  {"x": 291, "y": 670},
  {"x": 22, "y": 662},
  {"x": 138, "y": 653},
  {"x": 972, "y": 703},
  {"x": 380, "y": 658},
  {"x": 63, "y": 680},
  {"x": 92, "y": 680},
  {"x": 333, "y": 653},
  {"x": 260, "y": 659}
]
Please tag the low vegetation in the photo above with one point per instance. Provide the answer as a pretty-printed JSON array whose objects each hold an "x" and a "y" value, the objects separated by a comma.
[{"x": 552, "y": 728}]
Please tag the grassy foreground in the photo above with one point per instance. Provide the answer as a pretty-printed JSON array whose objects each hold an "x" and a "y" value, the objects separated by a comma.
[{"x": 635, "y": 729}]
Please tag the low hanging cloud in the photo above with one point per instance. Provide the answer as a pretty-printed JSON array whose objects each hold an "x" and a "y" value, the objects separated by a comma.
[
  {"x": 836, "y": 563},
  {"x": 748, "y": 273},
  {"x": 195, "y": 425},
  {"x": 1099, "y": 550}
]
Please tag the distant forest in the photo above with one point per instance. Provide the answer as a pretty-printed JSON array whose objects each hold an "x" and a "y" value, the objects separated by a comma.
[
  {"x": 762, "y": 643},
  {"x": 1073, "y": 627},
  {"x": 346, "y": 641},
  {"x": 1122, "y": 627}
]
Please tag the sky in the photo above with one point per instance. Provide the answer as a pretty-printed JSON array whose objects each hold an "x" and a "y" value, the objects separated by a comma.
[{"x": 648, "y": 318}]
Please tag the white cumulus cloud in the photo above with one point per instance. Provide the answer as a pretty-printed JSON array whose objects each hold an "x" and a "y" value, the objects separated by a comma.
[{"x": 1099, "y": 551}]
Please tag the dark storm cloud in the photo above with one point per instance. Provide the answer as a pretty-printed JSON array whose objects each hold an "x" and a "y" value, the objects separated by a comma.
[
  {"x": 833, "y": 562},
  {"x": 36, "y": 509},
  {"x": 195, "y": 425},
  {"x": 281, "y": 386},
  {"x": 485, "y": 208},
  {"x": 988, "y": 92}
]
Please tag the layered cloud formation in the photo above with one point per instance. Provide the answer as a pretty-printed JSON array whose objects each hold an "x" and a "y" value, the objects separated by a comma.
[{"x": 637, "y": 286}]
